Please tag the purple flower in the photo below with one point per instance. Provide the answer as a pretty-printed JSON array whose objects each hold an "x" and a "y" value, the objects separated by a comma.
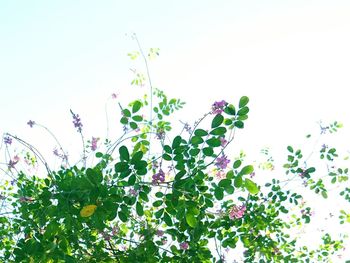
[
  {"x": 218, "y": 107},
  {"x": 237, "y": 212},
  {"x": 160, "y": 233},
  {"x": 133, "y": 192},
  {"x": 77, "y": 121},
  {"x": 114, "y": 95},
  {"x": 63, "y": 156},
  {"x": 8, "y": 140},
  {"x": 115, "y": 230},
  {"x": 31, "y": 123},
  {"x": 222, "y": 162},
  {"x": 184, "y": 245},
  {"x": 94, "y": 143},
  {"x": 13, "y": 162},
  {"x": 158, "y": 177},
  {"x": 223, "y": 141},
  {"x": 160, "y": 135}
]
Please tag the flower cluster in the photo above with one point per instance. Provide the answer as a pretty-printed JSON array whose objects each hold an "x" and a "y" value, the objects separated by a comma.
[
  {"x": 8, "y": 140},
  {"x": 94, "y": 143},
  {"x": 237, "y": 212},
  {"x": 218, "y": 107},
  {"x": 158, "y": 177},
  {"x": 184, "y": 245},
  {"x": 222, "y": 162},
  {"x": 77, "y": 121}
]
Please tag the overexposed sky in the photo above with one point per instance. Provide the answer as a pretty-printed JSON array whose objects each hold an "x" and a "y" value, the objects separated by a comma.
[{"x": 290, "y": 57}]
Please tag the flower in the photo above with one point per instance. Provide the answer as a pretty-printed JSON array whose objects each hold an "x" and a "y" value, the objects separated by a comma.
[
  {"x": 63, "y": 156},
  {"x": 160, "y": 233},
  {"x": 133, "y": 192},
  {"x": 94, "y": 143},
  {"x": 31, "y": 123},
  {"x": 13, "y": 162},
  {"x": 114, "y": 95},
  {"x": 237, "y": 212},
  {"x": 184, "y": 245},
  {"x": 158, "y": 177},
  {"x": 223, "y": 141},
  {"x": 8, "y": 140},
  {"x": 222, "y": 162},
  {"x": 218, "y": 107},
  {"x": 77, "y": 121}
]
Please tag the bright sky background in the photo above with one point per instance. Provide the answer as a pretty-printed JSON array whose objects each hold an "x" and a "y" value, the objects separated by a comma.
[{"x": 292, "y": 58}]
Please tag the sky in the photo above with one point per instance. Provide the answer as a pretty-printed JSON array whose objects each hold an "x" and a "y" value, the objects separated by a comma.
[{"x": 291, "y": 58}]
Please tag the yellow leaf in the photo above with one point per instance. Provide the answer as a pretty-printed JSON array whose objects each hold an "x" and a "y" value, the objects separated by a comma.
[{"x": 88, "y": 210}]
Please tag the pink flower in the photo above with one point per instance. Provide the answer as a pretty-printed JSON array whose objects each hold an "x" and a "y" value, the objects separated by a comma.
[
  {"x": 218, "y": 107},
  {"x": 184, "y": 245},
  {"x": 94, "y": 143},
  {"x": 223, "y": 141},
  {"x": 237, "y": 212}
]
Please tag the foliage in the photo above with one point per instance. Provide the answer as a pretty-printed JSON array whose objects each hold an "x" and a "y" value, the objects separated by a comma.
[{"x": 150, "y": 197}]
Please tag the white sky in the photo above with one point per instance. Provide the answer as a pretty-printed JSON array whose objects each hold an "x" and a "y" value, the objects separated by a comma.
[{"x": 292, "y": 58}]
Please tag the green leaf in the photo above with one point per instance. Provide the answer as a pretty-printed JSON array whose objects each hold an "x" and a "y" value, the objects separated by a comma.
[
  {"x": 124, "y": 154},
  {"x": 139, "y": 209},
  {"x": 324, "y": 194},
  {"x": 214, "y": 142},
  {"x": 218, "y": 131},
  {"x": 208, "y": 151},
  {"x": 237, "y": 164},
  {"x": 121, "y": 167},
  {"x": 218, "y": 119},
  {"x": 122, "y": 216},
  {"x": 200, "y": 132},
  {"x": 219, "y": 193},
  {"x": 191, "y": 219},
  {"x": 166, "y": 157},
  {"x": 132, "y": 180},
  {"x": 176, "y": 142},
  {"x": 224, "y": 182},
  {"x": 239, "y": 124},
  {"x": 230, "y": 110},
  {"x": 229, "y": 174},
  {"x": 133, "y": 125},
  {"x": 126, "y": 113},
  {"x": 136, "y": 107},
  {"x": 243, "y": 101},
  {"x": 251, "y": 186},
  {"x": 137, "y": 118},
  {"x": 290, "y": 149},
  {"x": 195, "y": 140},
  {"x": 167, "y": 149},
  {"x": 194, "y": 152},
  {"x": 124, "y": 120},
  {"x": 238, "y": 181},
  {"x": 243, "y": 111},
  {"x": 247, "y": 170},
  {"x": 167, "y": 219}
]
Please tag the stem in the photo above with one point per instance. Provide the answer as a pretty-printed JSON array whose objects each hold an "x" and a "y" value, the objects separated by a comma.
[{"x": 150, "y": 84}]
